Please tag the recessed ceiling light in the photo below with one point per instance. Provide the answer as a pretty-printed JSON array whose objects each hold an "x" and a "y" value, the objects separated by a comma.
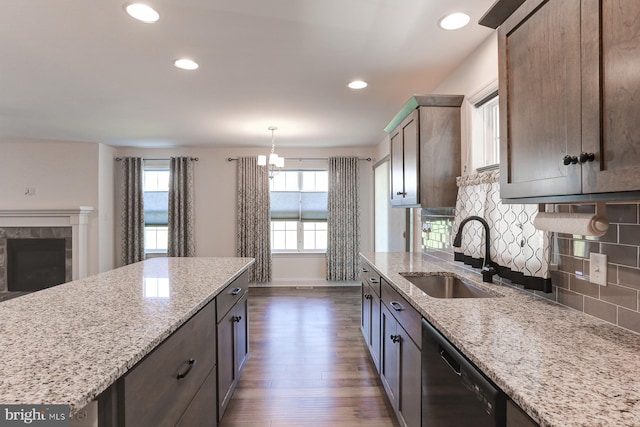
[
  {"x": 186, "y": 64},
  {"x": 357, "y": 84},
  {"x": 142, "y": 12},
  {"x": 454, "y": 21}
]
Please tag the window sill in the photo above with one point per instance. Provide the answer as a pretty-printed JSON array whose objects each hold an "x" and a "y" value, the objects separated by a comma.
[
  {"x": 149, "y": 255},
  {"x": 297, "y": 254}
]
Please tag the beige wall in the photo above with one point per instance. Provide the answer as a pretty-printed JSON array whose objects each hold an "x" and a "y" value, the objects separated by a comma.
[
  {"x": 65, "y": 175},
  {"x": 215, "y": 200},
  {"x": 474, "y": 75}
]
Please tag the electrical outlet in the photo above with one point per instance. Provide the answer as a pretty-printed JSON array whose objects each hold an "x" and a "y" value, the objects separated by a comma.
[{"x": 598, "y": 269}]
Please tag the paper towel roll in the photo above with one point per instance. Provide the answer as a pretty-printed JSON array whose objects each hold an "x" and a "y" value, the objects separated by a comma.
[{"x": 572, "y": 223}]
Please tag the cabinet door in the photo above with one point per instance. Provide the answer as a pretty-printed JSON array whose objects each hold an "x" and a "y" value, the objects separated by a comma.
[
  {"x": 540, "y": 98},
  {"x": 365, "y": 313},
  {"x": 409, "y": 396},
  {"x": 389, "y": 355},
  {"x": 397, "y": 168},
  {"x": 241, "y": 334},
  {"x": 226, "y": 358},
  {"x": 405, "y": 155},
  {"x": 411, "y": 151},
  {"x": 374, "y": 330},
  {"x": 611, "y": 95}
]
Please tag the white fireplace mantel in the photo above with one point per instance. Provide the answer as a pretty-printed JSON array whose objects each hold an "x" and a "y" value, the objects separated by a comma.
[{"x": 76, "y": 218}]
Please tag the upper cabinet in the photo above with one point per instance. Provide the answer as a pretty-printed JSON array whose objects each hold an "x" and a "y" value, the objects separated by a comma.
[
  {"x": 425, "y": 151},
  {"x": 569, "y": 98}
]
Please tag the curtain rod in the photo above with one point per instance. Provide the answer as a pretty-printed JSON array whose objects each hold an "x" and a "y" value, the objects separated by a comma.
[
  {"x": 195, "y": 159},
  {"x": 367, "y": 159}
]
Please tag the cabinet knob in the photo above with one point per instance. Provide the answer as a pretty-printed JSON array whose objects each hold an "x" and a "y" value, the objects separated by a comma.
[
  {"x": 395, "y": 338},
  {"x": 587, "y": 157},
  {"x": 237, "y": 318},
  {"x": 401, "y": 193},
  {"x": 569, "y": 160}
]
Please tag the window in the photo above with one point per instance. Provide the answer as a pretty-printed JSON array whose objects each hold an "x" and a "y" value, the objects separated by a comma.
[
  {"x": 156, "y": 206},
  {"x": 491, "y": 139},
  {"x": 299, "y": 211},
  {"x": 485, "y": 128}
]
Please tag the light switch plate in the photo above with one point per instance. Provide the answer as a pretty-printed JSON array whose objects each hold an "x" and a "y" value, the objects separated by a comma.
[{"x": 598, "y": 269}]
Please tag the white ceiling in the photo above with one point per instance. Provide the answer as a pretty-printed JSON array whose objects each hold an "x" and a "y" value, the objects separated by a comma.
[{"x": 83, "y": 70}]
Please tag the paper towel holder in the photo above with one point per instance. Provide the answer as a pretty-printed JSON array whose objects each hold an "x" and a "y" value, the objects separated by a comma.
[{"x": 601, "y": 208}]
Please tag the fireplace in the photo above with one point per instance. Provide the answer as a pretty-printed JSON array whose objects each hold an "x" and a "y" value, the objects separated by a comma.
[
  {"x": 35, "y": 264},
  {"x": 68, "y": 224}
]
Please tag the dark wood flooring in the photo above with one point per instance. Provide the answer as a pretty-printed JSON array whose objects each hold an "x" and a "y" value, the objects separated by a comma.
[{"x": 309, "y": 364}]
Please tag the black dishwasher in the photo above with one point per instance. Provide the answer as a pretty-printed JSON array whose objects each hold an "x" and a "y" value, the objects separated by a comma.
[{"x": 454, "y": 392}]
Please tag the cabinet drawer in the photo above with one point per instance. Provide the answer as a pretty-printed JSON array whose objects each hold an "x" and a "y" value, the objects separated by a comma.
[
  {"x": 232, "y": 294},
  {"x": 202, "y": 409},
  {"x": 153, "y": 395},
  {"x": 371, "y": 277},
  {"x": 406, "y": 315}
]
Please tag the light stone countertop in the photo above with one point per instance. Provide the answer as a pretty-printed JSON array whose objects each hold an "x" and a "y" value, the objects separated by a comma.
[
  {"x": 68, "y": 343},
  {"x": 563, "y": 367}
]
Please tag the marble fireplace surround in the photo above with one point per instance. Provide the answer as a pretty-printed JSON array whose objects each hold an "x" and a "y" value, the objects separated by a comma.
[{"x": 76, "y": 218}]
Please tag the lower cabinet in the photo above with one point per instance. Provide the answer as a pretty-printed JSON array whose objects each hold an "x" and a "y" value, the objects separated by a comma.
[
  {"x": 162, "y": 388},
  {"x": 202, "y": 409},
  {"x": 400, "y": 368},
  {"x": 233, "y": 351},
  {"x": 370, "y": 319},
  {"x": 189, "y": 378}
]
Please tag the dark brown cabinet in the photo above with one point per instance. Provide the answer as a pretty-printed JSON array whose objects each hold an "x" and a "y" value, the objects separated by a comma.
[
  {"x": 516, "y": 417},
  {"x": 405, "y": 154},
  {"x": 568, "y": 99},
  {"x": 370, "y": 313},
  {"x": 425, "y": 151},
  {"x": 233, "y": 339},
  {"x": 164, "y": 387},
  {"x": 400, "y": 356}
]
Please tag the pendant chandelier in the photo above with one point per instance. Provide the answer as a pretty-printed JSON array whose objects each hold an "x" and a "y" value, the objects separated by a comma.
[{"x": 276, "y": 163}]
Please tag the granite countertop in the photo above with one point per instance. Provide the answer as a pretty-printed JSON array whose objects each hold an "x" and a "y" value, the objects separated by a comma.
[
  {"x": 563, "y": 367},
  {"x": 68, "y": 343}
]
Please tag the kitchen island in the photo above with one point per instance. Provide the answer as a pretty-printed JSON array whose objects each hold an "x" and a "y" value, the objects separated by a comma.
[
  {"x": 563, "y": 367},
  {"x": 69, "y": 343}
]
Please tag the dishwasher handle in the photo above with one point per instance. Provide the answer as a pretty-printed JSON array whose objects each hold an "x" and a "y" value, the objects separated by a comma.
[{"x": 453, "y": 364}]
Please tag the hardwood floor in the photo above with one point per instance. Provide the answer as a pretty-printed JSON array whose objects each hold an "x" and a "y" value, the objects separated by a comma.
[{"x": 309, "y": 364}]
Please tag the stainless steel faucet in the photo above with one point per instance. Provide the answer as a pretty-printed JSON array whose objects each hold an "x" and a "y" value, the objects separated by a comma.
[{"x": 489, "y": 268}]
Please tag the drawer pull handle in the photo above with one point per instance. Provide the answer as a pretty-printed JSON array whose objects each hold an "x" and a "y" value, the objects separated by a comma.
[
  {"x": 396, "y": 306},
  {"x": 185, "y": 373},
  {"x": 364, "y": 270},
  {"x": 374, "y": 280},
  {"x": 236, "y": 291},
  {"x": 395, "y": 338}
]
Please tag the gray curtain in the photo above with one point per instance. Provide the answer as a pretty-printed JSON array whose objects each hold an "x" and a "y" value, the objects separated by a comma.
[
  {"x": 131, "y": 193},
  {"x": 343, "y": 219},
  {"x": 253, "y": 218},
  {"x": 181, "y": 242}
]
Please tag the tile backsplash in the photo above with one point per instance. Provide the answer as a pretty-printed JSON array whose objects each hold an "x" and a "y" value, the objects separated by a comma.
[
  {"x": 618, "y": 302},
  {"x": 437, "y": 226}
]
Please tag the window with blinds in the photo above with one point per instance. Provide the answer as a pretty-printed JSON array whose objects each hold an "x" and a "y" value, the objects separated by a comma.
[
  {"x": 299, "y": 211},
  {"x": 156, "y": 206}
]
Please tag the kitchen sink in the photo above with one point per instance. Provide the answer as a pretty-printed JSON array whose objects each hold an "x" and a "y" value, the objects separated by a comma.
[{"x": 438, "y": 286}]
